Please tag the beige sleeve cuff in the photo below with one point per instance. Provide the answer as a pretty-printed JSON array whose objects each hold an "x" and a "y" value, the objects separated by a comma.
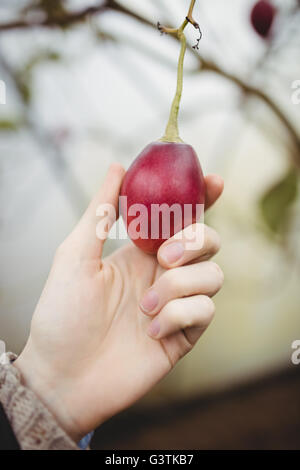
[{"x": 33, "y": 425}]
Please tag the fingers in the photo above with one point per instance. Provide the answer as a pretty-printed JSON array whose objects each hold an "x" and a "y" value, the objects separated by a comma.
[
  {"x": 184, "y": 247},
  {"x": 183, "y": 314},
  {"x": 90, "y": 233},
  {"x": 195, "y": 242},
  {"x": 214, "y": 188},
  {"x": 205, "y": 278}
]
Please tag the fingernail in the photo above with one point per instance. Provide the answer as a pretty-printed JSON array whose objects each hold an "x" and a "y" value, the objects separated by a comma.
[
  {"x": 154, "y": 328},
  {"x": 172, "y": 253},
  {"x": 150, "y": 301}
]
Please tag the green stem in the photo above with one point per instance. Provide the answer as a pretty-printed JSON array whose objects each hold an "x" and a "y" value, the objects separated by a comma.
[
  {"x": 190, "y": 13},
  {"x": 171, "y": 132}
]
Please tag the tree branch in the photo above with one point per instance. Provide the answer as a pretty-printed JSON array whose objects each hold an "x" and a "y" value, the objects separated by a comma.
[
  {"x": 250, "y": 90},
  {"x": 205, "y": 65},
  {"x": 76, "y": 17},
  {"x": 65, "y": 20}
]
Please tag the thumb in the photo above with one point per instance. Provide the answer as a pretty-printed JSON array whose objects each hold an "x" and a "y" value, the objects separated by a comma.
[{"x": 103, "y": 206}]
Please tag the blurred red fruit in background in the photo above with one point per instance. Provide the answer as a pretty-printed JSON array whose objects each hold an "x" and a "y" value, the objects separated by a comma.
[{"x": 262, "y": 17}]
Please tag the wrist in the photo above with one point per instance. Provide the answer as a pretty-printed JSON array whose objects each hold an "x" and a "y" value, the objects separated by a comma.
[{"x": 49, "y": 390}]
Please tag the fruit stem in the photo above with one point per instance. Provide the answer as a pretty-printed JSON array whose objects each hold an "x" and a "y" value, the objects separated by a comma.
[
  {"x": 171, "y": 132},
  {"x": 190, "y": 12}
]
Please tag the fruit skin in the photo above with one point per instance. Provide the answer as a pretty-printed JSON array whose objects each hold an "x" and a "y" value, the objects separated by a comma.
[
  {"x": 262, "y": 17},
  {"x": 163, "y": 173}
]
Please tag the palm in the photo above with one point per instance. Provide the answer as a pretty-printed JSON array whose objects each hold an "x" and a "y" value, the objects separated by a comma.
[
  {"x": 103, "y": 330},
  {"x": 128, "y": 273}
]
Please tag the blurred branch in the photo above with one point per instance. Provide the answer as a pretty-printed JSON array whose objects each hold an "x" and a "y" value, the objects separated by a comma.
[
  {"x": 63, "y": 20},
  {"x": 70, "y": 18},
  {"x": 250, "y": 90},
  {"x": 74, "y": 17}
]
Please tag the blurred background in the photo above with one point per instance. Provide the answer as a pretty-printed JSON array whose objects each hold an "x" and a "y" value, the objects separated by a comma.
[{"x": 90, "y": 82}]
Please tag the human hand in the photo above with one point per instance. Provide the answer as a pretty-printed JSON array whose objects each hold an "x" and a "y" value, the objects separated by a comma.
[{"x": 98, "y": 342}]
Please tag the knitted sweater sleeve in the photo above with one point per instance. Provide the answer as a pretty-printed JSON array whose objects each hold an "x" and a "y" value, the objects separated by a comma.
[{"x": 33, "y": 425}]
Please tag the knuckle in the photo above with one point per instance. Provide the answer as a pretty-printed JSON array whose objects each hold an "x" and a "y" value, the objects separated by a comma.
[
  {"x": 172, "y": 279},
  {"x": 189, "y": 322},
  {"x": 217, "y": 240},
  {"x": 217, "y": 273},
  {"x": 172, "y": 312},
  {"x": 212, "y": 240},
  {"x": 208, "y": 310}
]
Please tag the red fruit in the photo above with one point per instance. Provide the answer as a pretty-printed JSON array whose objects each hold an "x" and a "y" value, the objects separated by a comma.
[
  {"x": 262, "y": 17},
  {"x": 164, "y": 173}
]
